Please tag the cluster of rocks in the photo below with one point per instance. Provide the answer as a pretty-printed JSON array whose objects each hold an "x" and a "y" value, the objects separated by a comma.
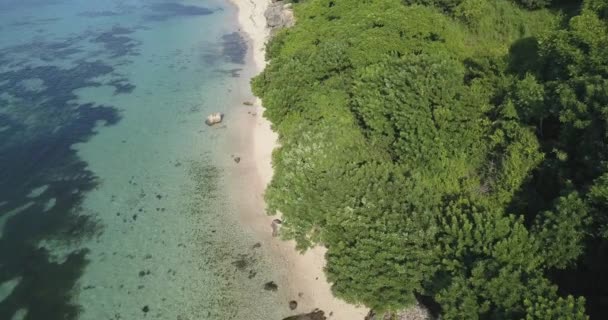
[
  {"x": 315, "y": 315},
  {"x": 279, "y": 15},
  {"x": 417, "y": 312}
]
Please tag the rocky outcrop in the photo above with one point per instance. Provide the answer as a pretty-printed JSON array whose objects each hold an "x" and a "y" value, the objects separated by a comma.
[
  {"x": 417, "y": 312},
  {"x": 279, "y": 15},
  {"x": 315, "y": 315},
  {"x": 276, "y": 225}
]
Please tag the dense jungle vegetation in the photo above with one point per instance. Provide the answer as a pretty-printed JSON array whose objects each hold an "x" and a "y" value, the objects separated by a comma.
[{"x": 449, "y": 151}]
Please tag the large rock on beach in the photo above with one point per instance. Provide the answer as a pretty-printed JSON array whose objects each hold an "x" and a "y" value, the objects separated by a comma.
[
  {"x": 417, "y": 312},
  {"x": 279, "y": 15},
  {"x": 214, "y": 118},
  {"x": 276, "y": 225},
  {"x": 315, "y": 315}
]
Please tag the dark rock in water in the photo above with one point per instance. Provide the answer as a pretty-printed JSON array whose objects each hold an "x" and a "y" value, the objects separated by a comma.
[
  {"x": 257, "y": 245},
  {"x": 237, "y": 159},
  {"x": 145, "y": 309},
  {"x": 242, "y": 262},
  {"x": 293, "y": 304},
  {"x": 248, "y": 103},
  {"x": 315, "y": 315},
  {"x": 271, "y": 286}
]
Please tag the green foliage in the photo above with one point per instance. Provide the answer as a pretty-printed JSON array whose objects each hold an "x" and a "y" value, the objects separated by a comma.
[
  {"x": 600, "y": 7},
  {"x": 415, "y": 106},
  {"x": 446, "y": 5},
  {"x": 534, "y": 4},
  {"x": 561, "y": 232},
  {"x": 391, "y": 249},
  {"x": 541, "y": 303},
  {"x": 487, "y": 261},
  {"x": 598, "y": 200},
  {"x": 417, "y": 139},
  {"x": 529, "y": 96},
  {"x": 450, "y": 6}
]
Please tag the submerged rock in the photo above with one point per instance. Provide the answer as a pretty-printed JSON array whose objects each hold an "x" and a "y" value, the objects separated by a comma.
[
  {"x": 271, "y": 286},
  {"x": 214, "y": 118},
  {"x": 293, "y": 304},
  {"x": 315, "y": 315}
]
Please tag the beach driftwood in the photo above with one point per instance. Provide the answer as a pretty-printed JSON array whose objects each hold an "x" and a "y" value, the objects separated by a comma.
[{"x": 214, "y": 118}]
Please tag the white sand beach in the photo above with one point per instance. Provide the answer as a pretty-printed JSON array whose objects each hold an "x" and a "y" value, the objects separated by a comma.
[{"x": 304, "y": 278}]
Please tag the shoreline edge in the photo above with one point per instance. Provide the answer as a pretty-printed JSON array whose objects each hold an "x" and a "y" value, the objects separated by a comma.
[{"x": 306, "y": 281}]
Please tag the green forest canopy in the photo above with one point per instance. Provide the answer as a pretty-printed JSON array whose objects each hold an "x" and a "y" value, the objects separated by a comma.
[{"x": 453, "y": 151}]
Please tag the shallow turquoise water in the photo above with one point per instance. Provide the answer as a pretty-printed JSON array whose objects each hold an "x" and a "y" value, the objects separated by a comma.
[{"x": 109, "y": 199}]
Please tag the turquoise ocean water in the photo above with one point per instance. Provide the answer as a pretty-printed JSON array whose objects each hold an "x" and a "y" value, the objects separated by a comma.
[{"x": 110, "y": 206}]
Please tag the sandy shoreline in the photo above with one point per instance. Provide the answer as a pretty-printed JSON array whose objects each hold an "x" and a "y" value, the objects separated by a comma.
[{"x": 303, "y": 279}]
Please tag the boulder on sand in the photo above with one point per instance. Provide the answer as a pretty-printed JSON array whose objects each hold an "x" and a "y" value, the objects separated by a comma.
[
  {"x": 315, "y": 315},
  {"x": 214, "y": 118},
  {"x": 275, "y": 225},
  {"x": 279, "y": 15},
  {"x": 416, "y": 312}
]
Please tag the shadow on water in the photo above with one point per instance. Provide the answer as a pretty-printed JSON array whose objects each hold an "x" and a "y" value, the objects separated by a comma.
[
  {"x": 117, "y": 43},
  {"x": 167, "y": 10},
  {"x": 42, "y": 180},
  {"x": 232, "y": 49}
]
